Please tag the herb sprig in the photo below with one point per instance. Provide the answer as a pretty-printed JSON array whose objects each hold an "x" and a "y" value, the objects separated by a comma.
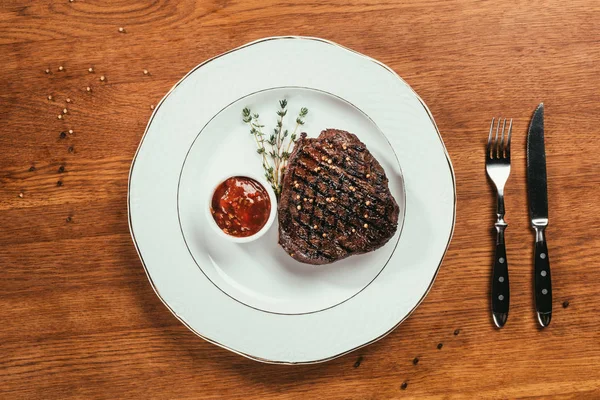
[{"x": 275, "y": 159}]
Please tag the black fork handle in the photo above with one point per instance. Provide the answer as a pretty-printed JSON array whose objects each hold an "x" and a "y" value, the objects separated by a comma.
[{"x": 500, "y": 284}]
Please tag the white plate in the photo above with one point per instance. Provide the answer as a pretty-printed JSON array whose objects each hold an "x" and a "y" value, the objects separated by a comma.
[{"x": 253, "y": 298}]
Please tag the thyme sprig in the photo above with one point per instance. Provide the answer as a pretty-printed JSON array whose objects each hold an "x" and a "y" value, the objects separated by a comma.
[{"x": 275, "y": 160}]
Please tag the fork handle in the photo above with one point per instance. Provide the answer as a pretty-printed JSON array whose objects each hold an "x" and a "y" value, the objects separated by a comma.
[{"x": 500, "y": 286}]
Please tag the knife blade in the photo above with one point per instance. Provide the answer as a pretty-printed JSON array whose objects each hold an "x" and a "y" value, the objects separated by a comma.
[{"x": 538, "y": 211}]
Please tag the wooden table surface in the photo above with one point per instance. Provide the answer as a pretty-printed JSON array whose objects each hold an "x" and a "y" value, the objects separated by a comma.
[{"x": 78, "y": 318}]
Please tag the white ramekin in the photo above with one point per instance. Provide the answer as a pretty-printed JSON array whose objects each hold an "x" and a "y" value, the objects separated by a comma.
[{"x": 267, "y": 225}]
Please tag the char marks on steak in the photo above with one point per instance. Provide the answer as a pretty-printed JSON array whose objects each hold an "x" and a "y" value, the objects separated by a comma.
[{"x": 335, "y": 200}]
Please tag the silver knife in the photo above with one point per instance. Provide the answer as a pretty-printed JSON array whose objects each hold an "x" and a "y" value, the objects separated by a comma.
[{"x": 538, "y": 211}]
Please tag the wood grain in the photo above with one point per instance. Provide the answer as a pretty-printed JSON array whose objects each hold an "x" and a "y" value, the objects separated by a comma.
[{"x": 78, "y": 317}]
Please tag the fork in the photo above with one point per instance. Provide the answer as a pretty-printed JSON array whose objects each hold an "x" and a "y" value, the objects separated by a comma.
[{"x": 497, "y": 166}]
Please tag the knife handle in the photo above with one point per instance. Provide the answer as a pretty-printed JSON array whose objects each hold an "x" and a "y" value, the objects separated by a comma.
[
  {"x": 543, "y": 283},
  {"x": 500, "y": 286}
]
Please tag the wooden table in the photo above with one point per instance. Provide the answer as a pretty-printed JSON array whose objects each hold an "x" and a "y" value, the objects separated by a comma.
[{"x": 78, "y": 317}]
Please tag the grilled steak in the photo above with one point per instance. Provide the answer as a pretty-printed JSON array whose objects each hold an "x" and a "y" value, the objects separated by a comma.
[{"x": 335, "y": 201}]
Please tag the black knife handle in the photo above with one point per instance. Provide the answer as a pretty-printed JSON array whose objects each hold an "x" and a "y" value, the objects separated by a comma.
[
  {"x": 500, "y": 286},
  {"x": 542, "y": 280}
]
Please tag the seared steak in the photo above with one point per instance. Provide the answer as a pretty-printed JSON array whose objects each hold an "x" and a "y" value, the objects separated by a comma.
[{"x": 335, "y": 201}]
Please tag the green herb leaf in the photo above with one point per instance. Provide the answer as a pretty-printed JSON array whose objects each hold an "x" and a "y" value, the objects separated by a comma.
[{"x": 280, "y": 148}]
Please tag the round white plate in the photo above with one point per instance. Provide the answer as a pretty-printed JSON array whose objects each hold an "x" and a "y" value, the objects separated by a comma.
[{"x": 253, "y": 298}]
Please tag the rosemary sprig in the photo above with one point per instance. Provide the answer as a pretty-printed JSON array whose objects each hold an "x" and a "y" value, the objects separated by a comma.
[
  {"x": 259, "y": 137},
  {"x": 293, "y": 138},
  {"x": 280, "y": 153}
]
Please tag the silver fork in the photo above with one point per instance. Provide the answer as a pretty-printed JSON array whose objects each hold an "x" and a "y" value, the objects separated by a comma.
[{"x": 497, "y": 166}]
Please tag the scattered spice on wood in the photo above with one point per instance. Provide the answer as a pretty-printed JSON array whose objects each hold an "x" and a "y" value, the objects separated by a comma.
[
  {"x": 440, "y": 345},
  {"x": 61, "y": 169},
  {"x": 59, "y": 183},
  {"x": 456, "y": 332},
  {"x": 31, "y": 169},
  {"x": 69, "y": 219},
  {"x": 357, "y": 363},
  {"x": 565, "y": 303},
  {"x": 415, "y": 360},
  {"x": 404, "y": 385}
]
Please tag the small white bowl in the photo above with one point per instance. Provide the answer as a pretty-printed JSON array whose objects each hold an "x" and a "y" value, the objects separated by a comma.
[{"x": 266, "y": 226}]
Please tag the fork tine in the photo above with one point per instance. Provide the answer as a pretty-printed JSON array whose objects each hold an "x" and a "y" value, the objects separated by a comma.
[
  {"x": 501, "y": 144},
  {"x": 488, "y": 148},
  {"x": 495, "y": 146},
  {"x": 508, "y": 139}
]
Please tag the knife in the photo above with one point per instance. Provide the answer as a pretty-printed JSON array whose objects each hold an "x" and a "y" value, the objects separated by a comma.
[{"x": 538, "y": 211}]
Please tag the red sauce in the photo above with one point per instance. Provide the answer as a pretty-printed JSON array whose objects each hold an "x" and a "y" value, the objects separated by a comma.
[{"x": 240, "y": 206}]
